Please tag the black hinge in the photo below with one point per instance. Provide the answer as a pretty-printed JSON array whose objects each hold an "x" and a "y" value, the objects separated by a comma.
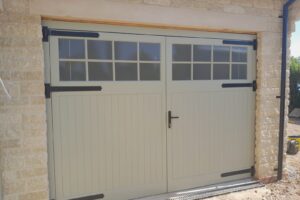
[
  {"x": 91, "y": 197},
  {"x": 254, "y": 86},
  {"x": 242, "y": 42},
  {"x": 45, "y": 32},
  {"x": 49, "y": 89},
  {"x": 236, "y": 85},
  {"x": 252, "y": 171},
  {"x": 243, "y": 171},
  {"x": 70, "y": 33},
  {"x": 255, "y": 44}
]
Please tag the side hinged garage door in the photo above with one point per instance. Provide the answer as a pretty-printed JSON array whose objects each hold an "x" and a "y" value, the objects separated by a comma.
[
  {"x": 108, "y": 107},
  {"x": 211, "y": 94},
  {"x": 136, "y": 112}
]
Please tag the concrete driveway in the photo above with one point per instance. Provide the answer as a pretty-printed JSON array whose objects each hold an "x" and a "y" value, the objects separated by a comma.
[{"x": 288, "y": 188}]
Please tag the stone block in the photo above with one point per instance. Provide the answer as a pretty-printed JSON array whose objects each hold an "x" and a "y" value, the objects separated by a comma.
[
  {"x": 158, "y": 2},
  {"x": 16, "y": 6},
  {"x": 34, "y": 196}
]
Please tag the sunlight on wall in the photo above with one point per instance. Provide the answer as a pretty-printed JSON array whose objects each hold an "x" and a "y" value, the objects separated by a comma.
[{"x": 295, "y": 41}]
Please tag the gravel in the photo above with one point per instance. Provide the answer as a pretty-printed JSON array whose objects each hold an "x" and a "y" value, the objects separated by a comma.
[{"x": 286, "y": 189}]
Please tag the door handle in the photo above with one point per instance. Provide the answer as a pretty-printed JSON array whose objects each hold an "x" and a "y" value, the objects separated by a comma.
[{"x": 170, "y": 117}]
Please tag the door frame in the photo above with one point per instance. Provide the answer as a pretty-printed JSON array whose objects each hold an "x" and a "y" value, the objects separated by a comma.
[
  {"x": 167, "y": 33},
  {"x": 196, "y": 85}
]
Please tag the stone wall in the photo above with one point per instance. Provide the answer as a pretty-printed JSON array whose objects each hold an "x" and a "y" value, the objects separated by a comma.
[
  {"x": 268, "y": 68},
  {"x": 23, "y": 147}
]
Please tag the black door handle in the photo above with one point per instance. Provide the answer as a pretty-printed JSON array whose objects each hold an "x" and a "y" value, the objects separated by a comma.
[{"x": 170, "y": 117}]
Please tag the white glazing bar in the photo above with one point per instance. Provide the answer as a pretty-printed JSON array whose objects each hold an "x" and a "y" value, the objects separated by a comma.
[
  {"x": 113, "y": 60},
  {"x": 192, "y": 62},
  {"x": 138, "y": 61},
  {"x": 72, "y": 59},
  {"x": 86, "y": 61},
  {"x": 212, "y": 63},
  {"x": 230, "y": 61}
]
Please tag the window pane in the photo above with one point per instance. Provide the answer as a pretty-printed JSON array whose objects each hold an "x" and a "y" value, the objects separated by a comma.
[
  {"x": 221, "y": 53},
  {"x": 99, "y": 49},
  {"x": 126, "y": 50},
  {"x": 77, "y": 71},
  {"x": 71, "y": 48},
  {"x": 64, "y": 48},
  {"x": 64, "y": 71},
  {"x": 150, "y": 71},
  {"x": 149, "y": 51},
  {"x": 239, "y": 54},
  {"x": 202, "y": 53},
  {"x": 100, "y": 71},
  {"x": 126, "y": 71},
  {"x": 239, "y": 71},
  {"x": 181, "y": 72},
  {"x": 181, "y": 52},
  {"x": 202, "y": 72},
  {"x": 221, "y": 71}
]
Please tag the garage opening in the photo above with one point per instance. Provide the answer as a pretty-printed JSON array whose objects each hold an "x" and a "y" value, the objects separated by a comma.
[{"x": 134, "y": 112}]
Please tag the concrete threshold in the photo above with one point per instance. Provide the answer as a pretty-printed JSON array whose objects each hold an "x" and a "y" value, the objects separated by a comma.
[{"x": 207, "y": 191}]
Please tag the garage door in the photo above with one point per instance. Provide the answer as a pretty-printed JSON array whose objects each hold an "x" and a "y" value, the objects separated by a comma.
[
  {"x": 212, "y": 140},
  {"x": 132, "y": 115}
]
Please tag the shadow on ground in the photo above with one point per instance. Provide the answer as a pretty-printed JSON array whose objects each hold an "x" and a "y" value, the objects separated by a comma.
[{"x": 287, "y": 189}]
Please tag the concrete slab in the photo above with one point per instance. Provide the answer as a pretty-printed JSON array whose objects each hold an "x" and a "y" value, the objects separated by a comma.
[{"x": 207, "y": 191}]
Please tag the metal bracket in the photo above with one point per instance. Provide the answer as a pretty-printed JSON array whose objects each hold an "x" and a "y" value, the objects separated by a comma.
[
  {"x": 254, "y": 86},
  {"x": 70, "y": 33},
  {"x": 242, "y": 42},
  {"x": 235, "y": 85},
  {"x": 49, "y": 89},
  {"x": 91, "y": 197},
  {"x": 243, "y": 171}
]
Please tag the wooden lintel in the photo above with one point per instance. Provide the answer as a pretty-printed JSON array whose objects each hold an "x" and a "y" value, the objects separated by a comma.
[{"x": 145, "y": 25}]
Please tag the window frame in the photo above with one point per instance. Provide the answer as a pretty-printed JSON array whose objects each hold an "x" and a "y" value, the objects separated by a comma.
[
  {"x": 212, "y": 62},
  {"x": 54, "y": 59}
]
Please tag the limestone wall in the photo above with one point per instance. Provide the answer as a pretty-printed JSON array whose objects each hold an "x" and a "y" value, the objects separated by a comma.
[
  {"x": 23, "y": 147},
  {"x": 22, "y": 119},
  {"x": 261, "y": 17}
]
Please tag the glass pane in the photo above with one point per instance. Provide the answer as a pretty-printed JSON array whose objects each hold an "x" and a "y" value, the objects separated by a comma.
[
  {"x": 239, "y": 54},
  {"x": 126, "y": 71},
  {"x": 64, "y": 71},
  {"x": 77, "y": 71},
  {"x": 221, "y": 71},
  {"x": 202, "y": 71},
  {"x": 150, "y": 71},
  {"x": 181, "y": 72},
  {"x": 202, "y": 53},
  {"x": 221, "y": 54},
  {"x": 100, "y": 71},
  {"x": 149, "y": 51},
  {"x": 181, "y": 52},
  {"x": 71, "y": 48},
  {"x": 239, "y": 71},
  {"x": 99, "y": 49},
  {"x": 64, "y": 48},
  {"x": 126, "y": 50}
]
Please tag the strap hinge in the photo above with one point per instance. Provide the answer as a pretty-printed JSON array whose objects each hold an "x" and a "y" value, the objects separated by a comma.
[
  {"x": 69, "y": 33},
  {"x": 242, "y": 42}
]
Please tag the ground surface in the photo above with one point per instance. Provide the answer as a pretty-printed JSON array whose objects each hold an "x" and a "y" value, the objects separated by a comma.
[{"x": 287, "y": 189}]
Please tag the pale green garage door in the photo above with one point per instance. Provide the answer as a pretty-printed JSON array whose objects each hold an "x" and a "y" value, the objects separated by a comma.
[{"x": 135, "y": 112}]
